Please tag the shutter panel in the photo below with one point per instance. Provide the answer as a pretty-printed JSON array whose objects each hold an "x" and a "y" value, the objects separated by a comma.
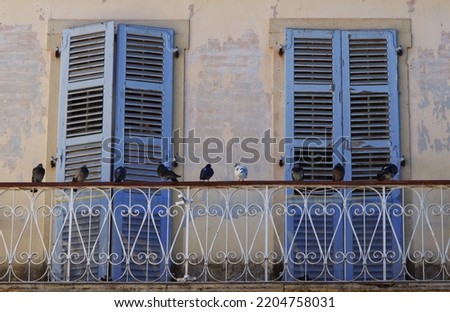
[
  {"x": 85, "y": 112},
  {"x": 313, "y": 121},
  {"x": 144, "y": 98},
  {"x": 312, "y": 79},
  {"x": 370, "y": 100},
  {"x": 144, "y": 123},
  {"x": 371, "y": 124},
  {"x": 85, "y": 102}
]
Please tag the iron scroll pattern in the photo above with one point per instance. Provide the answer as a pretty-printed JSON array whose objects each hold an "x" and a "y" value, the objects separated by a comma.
[{"x": 260, "y": 233}]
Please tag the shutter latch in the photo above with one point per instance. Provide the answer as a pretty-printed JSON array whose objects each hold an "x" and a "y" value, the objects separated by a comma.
[{"x": 54, "y": 160}]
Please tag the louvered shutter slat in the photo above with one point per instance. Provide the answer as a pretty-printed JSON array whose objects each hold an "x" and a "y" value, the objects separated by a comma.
[
  {"x": 313, "y": 61},
  {"x": 368, "y": 61}
]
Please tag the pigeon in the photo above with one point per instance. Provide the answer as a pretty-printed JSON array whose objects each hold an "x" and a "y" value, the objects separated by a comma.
[
  {"x": 37, "y": 175},
  {"x": 81, "y": 175},
  {"x": 387, "y": 172},
  {"x": 120, "y": 174},
  {"x": 206, "y": 173},
  {"x": 166, "y": 174},
  {"x": 240, "y": 172},
  {"x": 338, "y": 172},
  {"x": 297, "y": 172}
]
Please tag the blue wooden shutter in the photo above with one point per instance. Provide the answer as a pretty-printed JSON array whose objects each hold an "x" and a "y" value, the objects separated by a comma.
[
  {"x": 85, "y": 111},
  {"x": 313, "y": 122},
  {"x": 370, "y": 99},
  {"x": 350, "y": 116},
  {"x": 144, "y": 96},
  {"x": 312, "y": 90},
  {"x": 85, "y": 100},
  {"x": 371, "y": 126}
]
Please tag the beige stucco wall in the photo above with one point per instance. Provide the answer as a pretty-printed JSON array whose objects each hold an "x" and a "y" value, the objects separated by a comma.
[{"x": 230, "y": 89}]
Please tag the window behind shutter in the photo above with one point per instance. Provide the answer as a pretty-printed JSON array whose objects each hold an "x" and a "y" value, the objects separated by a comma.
[
  {"x": 85, "y": 110},
  {"x": 144, "y": 127}
]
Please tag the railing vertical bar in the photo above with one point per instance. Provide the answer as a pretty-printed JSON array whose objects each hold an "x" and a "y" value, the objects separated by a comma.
[
  {"x": 69, "y": 235},
  {"x": 423, "y": 216},
  {"x": 442, "y": 253},
  {"x": 383, "y": 216},
  {"x": 403, "y": 232},
  {"x": 12, "y": 231},
  {"x": 344, "y": 196},
  {"x": 109, "y": 216},
  {"x": 266, "y": 234},
  {"x": 246, "y": 236},
  {"x": 187, "y": 208},
  {"x": 206, "y": 255},
  {"x": 30, "y": 219}
]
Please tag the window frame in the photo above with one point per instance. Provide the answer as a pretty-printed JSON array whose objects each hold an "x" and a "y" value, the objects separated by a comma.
[
  {"x": 277, "y": 28},
  {"x": 181, "y": 42},
  {"x": 340, "y": 89}
]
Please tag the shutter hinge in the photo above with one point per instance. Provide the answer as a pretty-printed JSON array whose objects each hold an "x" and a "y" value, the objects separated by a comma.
[{"x": 176, "y": 53}]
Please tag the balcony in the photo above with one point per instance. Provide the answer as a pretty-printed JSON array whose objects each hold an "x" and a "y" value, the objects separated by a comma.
[{"x": 225, "y": 233}]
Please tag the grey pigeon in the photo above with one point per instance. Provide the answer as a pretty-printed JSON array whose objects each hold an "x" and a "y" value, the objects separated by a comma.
[
  {"x": 338, "y": 172},
  {"x": 166, "y": 174},
  {"x": 206, "y": 173},
  {"x": 81, "y": 175},
  {"x": 387, "y": 172},
  {"x": 240, "y": 172},
  {"x": 120, "y": 174},
  {"x": 37, "y": 175},
  {"x": 297, "y": 172}
]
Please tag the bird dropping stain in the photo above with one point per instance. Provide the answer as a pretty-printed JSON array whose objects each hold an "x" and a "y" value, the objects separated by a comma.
[
  {"x": 410, "y": 5},
  {"x": 22, "y": 114}
]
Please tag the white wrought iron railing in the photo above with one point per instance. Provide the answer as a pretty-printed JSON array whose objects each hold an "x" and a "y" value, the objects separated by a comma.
[{"x": 225, "y": 232}]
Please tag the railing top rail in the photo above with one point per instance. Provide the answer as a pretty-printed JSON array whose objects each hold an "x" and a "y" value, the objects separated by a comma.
[{"x": 222, "y": 184}]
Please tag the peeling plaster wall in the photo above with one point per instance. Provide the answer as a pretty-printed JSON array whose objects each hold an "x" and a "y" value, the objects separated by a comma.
[
  {"x": 230, "y": 103},
  {"x": 22, "y": 117},
  {"x": 430, "y": 89},
  {"x": 431, "y": 69}
]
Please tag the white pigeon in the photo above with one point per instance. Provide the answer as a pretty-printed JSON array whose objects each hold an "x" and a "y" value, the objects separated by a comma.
[{"x": 240, "y": 172}]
